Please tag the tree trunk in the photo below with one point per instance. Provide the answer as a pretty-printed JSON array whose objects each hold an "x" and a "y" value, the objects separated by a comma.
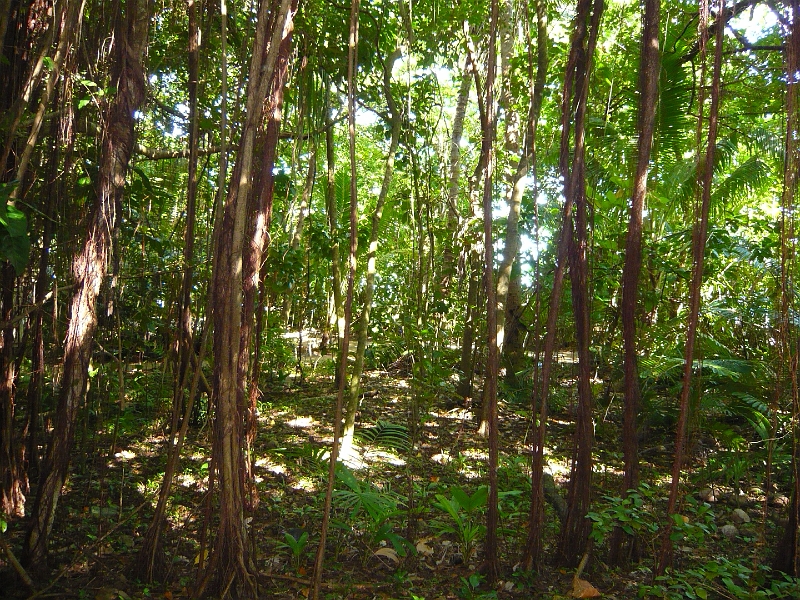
[
  {"x": 369, "y": 286},
  {"x": 698, "y": 253},
  {"x": 151, "y": 560},
  {"x": 259, "y": 221},
  {"x": 352, "y": 67},
  {"x": 533, "y": 545},
  {"x": 230, "y": 570},
  {"x": 787, "y": 557},
  {"x": 12, "y": 477},
  {"x": 516, "y": 189},
  {"x": 332, "y": 211},
  {"x": 649, "y": 70},
  {"x": 576, "y": 526},
  {"x": 490, "y": 378},
  {"x": 90, "y": 267},
  {"x": 453, "y": 181}
]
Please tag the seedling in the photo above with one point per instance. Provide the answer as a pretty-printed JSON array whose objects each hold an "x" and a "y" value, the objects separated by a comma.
[
  {"x": 296, "y": 545},
  {"x": 463, "y": 511}
]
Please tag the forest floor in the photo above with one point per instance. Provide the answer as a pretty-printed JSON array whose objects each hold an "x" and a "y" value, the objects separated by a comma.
[{"x": 396, "y": 531}]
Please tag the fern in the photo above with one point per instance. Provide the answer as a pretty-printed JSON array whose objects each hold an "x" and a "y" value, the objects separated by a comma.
[{"x": 387, "y": 435}]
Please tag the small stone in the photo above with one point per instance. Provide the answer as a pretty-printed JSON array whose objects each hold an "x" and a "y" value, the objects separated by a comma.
[
  {"x": 739, "y": 516},
  {"x": 708, "y": 495},
  {"x": 729, "y": 531},
  {"x": 779, "y": 500}
]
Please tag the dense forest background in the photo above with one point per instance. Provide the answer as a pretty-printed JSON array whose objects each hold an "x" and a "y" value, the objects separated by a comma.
[{"x": 487, "y": 298}]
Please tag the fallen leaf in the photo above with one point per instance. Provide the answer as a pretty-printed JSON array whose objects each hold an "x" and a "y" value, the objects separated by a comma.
[
  {"x": 424, "y": 549},
  {"x": 583, "y": 589},
  {"x": 389, "y": 553}
]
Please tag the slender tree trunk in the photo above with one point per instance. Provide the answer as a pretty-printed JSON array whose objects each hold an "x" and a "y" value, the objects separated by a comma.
[
  {"x": 533, "y": 546},
  {"x": 12, "y": 477},
  {"x": 471, "y": 255},
  {"x": 453, "y": 180},
  {"x": 787, "y": 557},
  {"x": 649, "y": 70},
  {"x": 302, "y": 211},
  {"x": 516, "y": 189},
  {"x": 369, "y": 286},
  {"x": 151, "y": 563},
  {"x": 90, "y": 267},
  {"x": 490, "y": 379},
  {"x": 352, "y": 66},
  {"x": 576, "y": 526},
  {"x": 333, "y": 223},
  {"x": 698, "y": 254}
]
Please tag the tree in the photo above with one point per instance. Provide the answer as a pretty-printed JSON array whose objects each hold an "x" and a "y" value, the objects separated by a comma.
[
  {"x": 648, "y": 76},
  {"x": 230, "y": 569},
  {"x": 90, "y": 265},
  {"x": 705, "y": 176}
]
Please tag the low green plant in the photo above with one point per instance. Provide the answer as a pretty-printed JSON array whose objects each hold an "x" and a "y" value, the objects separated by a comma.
[
  {"x": 723, "y": 578},
  {"x": 632, "y": 514},
  {"x": 380, "y": 507},
  {"x": 465, "y": 516},
  {"x": 296, "y": 545},
  {"x": 470, "y": 589}
]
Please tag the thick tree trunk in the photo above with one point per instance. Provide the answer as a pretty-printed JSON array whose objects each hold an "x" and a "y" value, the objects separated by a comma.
[
  {"x": 649, "y": 70},
  {"x": 369, "y": 286},
  {"x": 230, "y": 570},
  {"x": 258, "y": 224},
  {"x": 90, "y": 267},
  {"x": 698, "y": 254}
]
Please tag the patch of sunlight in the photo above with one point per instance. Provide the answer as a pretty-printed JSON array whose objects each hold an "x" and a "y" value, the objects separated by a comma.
[
  {"x": 302, "y": 422},
  {"x": 476, "y": 453},
  {"x": 125, "y": 455},
  {"x": 305, "y": 484},
  {"x": 186, "y": 480},
  {"x": 402, "y": 383},
  {"x": 557, "y": 469},
  {"x": 442, "y": 458},
  {"x": 384, "y": 457}
]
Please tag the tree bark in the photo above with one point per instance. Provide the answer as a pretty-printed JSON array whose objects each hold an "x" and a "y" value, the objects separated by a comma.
[
  {"x": 490, "y": 378},
  {"x": 337, "y": 316},
  {"x": 90, "y": 267},
  {"x": 698, "y": 253},
  {"x": 649, "y": 70},
  {"x": 369, "y": 286},
  {"x": 230, "y": 570},
  {"x": 533, "y": 545},
  {"x": 151, "y": 560},
  {"x": 576, "y": 526},
  {"x": 352, "y": 67},
  {"x": 453, "y": 181},
  {"x": 787, "y": 556}
]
